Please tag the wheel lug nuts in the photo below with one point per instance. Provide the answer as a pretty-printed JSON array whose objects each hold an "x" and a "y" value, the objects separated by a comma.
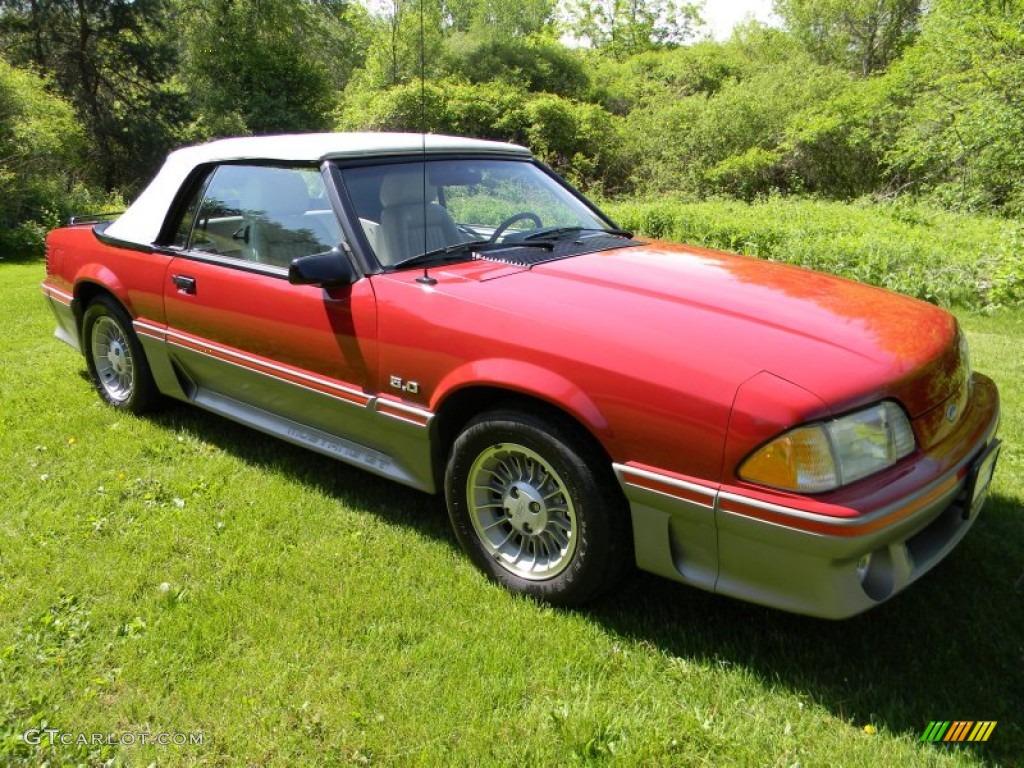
[{"x": 534, "y": 507}]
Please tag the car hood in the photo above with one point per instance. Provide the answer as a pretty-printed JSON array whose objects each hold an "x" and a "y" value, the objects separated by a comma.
[{"x": 845, "y": 342}]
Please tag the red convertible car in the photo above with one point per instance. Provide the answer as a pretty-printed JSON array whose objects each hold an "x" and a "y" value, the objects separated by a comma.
[{"x": 450, "y": 314}]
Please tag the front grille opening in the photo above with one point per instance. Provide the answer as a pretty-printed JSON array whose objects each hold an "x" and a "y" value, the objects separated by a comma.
[{"x": 928, "y": 544}]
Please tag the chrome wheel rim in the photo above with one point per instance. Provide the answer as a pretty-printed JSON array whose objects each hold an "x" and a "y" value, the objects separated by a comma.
[
  {"x": 115, "y": 368},
  {"x": 521, "y": 512}
]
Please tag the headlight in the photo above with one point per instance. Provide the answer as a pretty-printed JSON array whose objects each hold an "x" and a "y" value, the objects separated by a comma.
[{"x": 824, "y": 456}]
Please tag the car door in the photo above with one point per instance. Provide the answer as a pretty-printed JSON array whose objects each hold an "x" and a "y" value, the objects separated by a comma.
[{"x": 295, "y": 360}]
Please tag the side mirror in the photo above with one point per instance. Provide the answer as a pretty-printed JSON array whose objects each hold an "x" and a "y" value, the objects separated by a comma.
[{"x": 328, "y": 269}]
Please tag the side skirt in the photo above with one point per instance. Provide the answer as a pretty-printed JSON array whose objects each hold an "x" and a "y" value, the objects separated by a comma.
[
  {"x": 383, "y": 436},
  {"x": 309, "y": 437}
]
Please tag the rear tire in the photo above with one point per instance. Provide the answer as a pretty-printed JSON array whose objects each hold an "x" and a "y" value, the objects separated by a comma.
[
  {"x": 534, "y": 504},
  {"x": 117, "y": 365}
]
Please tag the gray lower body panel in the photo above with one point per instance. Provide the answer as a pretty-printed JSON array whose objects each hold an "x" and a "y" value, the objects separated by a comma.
[
  {"x": 329, "y": 444},
  {"x": 381, "y": 436}
]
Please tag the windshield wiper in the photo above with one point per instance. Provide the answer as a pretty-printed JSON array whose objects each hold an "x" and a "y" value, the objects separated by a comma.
[
  {"x": 558, "y": 231},
  {"x": 461, "y": 250}
]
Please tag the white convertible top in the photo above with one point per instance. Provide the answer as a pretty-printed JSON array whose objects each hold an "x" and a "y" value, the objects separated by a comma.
[{"x": 142, "y": 221}]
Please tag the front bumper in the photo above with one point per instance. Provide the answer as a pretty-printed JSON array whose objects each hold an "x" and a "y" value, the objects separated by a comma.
[{"x": 778, "y": 552}]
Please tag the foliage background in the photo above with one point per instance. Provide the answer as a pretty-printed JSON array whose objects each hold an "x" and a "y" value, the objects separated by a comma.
[
  {"x": 859, "y": 99},
  {"x": 878, "y": 139}
]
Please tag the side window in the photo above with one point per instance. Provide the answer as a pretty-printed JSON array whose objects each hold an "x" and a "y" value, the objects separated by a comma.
[{"x": 262, "y": 214}]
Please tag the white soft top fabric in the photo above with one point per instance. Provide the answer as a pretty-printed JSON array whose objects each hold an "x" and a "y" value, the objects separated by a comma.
[{"x": 142, "y": 221}]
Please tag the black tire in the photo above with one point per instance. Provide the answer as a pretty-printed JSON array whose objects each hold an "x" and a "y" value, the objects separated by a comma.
[
  {"x": 117, "y": 365},
  {"x": 550, "y": 495}
]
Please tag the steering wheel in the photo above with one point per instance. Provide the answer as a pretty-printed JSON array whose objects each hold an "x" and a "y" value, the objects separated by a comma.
[
  {"x": 524, "y": 216},
  {"x": 468, "y": 230}
]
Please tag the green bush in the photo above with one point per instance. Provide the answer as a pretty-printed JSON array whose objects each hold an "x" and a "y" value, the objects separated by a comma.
[
  {"x": 481, "y": 110},
  {"x": 836, "y": 147},
  {"x": 622, "y": 84},
  {"x": 734, "y": 140},
  {"x": 536, "y": 64},
  {"x": 581, "y": 141},
  {"x": 961, "y": 140},
  {"x": 42, "y": 158}
]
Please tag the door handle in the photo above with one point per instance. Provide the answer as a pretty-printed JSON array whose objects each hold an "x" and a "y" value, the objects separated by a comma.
[{"x": 184, "y": 283}]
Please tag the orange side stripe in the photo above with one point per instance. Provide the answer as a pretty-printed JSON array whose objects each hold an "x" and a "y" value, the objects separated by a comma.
[
  {"x": 833, "y": 529},
  {"x": 294, "y": 378}
]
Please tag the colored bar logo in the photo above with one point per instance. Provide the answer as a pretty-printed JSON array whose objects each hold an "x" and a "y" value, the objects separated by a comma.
[{"x": 959, "y": 730}]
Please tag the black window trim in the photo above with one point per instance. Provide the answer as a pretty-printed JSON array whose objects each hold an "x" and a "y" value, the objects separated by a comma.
[
  {"x": 356, "y": 247},
  {"x": 201, "y": 184}
]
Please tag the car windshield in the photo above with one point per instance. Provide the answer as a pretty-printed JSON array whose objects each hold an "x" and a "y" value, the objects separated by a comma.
[{"x": 413, "y": 208}]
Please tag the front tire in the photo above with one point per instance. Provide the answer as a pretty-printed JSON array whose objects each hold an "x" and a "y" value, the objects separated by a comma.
[
  {"x": 117, "y": 365},
  {"x": 534, "y": 504}
]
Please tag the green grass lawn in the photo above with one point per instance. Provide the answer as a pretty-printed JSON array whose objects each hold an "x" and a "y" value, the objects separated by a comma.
[{"x": 178, "y": 573}]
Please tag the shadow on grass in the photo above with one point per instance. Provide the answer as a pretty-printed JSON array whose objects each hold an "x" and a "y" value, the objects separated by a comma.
[
  {"x": 349, "y": 485},
  {"x": 32, "y": 256},
  {"x": 949, "y": 648}
]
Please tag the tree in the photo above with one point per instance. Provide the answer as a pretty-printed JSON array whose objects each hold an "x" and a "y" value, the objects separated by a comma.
[
  {"x": 498, "y": 20},
  {"x": 535, "y": 63},
  {"x": 629, "y": 26},
  {"x": 407, "y": 42},
  {"x": 111, "y": 60},
  {"x": 41, "y": 160},
  {"x": 269, "y": 66},
  {"x": 962, "y": 137},
  {"x": 429, "y": 38},
  {"x": 580, "y": 140},
  {"x": 866, "y": 36}
]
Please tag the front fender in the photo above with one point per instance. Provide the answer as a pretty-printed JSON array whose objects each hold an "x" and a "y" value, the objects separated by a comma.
[
  {"x": 765, "y": 406},
  {"x": 527, "y": 379}
]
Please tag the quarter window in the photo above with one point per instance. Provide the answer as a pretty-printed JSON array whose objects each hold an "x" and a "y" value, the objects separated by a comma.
[
  {"x": 188, "y": 219},
  {"x": 267, "y": 215}
]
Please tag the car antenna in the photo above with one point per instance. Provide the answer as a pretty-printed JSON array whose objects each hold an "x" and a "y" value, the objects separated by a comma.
[{"x": 425, "y": 278}]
